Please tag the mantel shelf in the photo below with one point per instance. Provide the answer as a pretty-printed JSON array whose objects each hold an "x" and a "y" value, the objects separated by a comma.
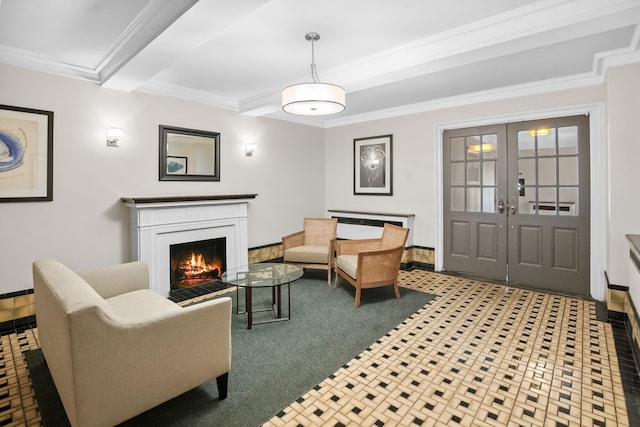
[
  {"x": 406, "y": 215},
  {"x": 179, "y": 199}
]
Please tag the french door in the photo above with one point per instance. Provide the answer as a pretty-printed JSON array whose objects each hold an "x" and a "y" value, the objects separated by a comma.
[{"x": 516, "y": 203}]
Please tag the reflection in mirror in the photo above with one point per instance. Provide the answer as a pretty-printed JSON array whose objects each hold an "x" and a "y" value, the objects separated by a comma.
[{"x": 189, "y": 155}]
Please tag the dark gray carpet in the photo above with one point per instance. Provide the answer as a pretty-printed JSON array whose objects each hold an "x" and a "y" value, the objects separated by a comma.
[{"x": 273, "y": 364}]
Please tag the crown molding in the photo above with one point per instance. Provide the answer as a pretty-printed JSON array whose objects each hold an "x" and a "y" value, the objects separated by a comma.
[
  {"x": 187, "y": 94},
  {"x": 29, "y": 60},
  {"x": 534, "y": 88},
  {"x": 156, "y": 17}
]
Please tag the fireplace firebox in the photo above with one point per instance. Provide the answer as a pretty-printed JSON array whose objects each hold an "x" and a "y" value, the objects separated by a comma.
[{"x": 197, "y": 263}]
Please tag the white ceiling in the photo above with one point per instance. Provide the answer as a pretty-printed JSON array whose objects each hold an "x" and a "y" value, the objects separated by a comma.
[{"x": 391, "y": 56}]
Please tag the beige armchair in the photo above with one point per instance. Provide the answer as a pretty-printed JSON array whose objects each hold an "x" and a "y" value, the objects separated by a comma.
[
  {"x": 115, "y": 348},
  {"x": 313, "y": 247},
  {"x": 371, "y": 263}
]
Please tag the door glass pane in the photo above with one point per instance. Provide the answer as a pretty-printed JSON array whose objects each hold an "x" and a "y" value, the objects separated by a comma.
[
  {"x": 526, "y": 204},
  {"x": 489, "y": 173},
  {"x": 457, "y": 199},
  {"x": 568, "y": 170},
  {"x": 546, "y": 141},
  {"x": 473, "y": 199},
  {"x": 526, "y": 144},
  {"x": 568, "y": 140},
  {"x": 568, "y": 197},
  {"x": 490, "y": 146},
  {"x": 546, "y": 201},
  {"x": 457, "y": 148},
  {"x": 473, "y": 147},
  {"x": 457, "y": 173},
  {"x": 488, "y": 199},
  {"x": 473, "y": 173},
  {"x": 527, "y": 171},
  {"x": 547, "y": 171}
]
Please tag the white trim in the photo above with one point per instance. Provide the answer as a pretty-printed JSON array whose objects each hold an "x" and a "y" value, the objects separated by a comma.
[
  {"x": 577, "y": 81},
  {"x": 598, "y": 177}
]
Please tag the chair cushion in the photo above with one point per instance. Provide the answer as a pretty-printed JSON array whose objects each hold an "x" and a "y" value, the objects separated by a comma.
[
  {"x": 307, "y": 254},
  {"x": 128, "y": 307},
  {"x": 348, "y": 264}
]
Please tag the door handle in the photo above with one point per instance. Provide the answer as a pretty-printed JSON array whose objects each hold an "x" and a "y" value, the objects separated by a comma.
[
  {"x": 512, "y": 206},
  {"x": 501, "y": 205}
]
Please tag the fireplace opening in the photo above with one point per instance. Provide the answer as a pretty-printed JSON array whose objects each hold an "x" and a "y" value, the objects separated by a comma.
[{"x": 197, "y": 263}]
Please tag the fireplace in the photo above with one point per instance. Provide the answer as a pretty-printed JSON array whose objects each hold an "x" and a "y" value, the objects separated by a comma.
[
  {"x": 197, "y": 263},
  {"x": 159, "y": 224}
]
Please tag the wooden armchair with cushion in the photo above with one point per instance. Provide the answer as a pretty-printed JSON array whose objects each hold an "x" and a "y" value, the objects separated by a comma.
[
  {"x": 312, "y": 247},
  {"x": 371, "y": 263}
]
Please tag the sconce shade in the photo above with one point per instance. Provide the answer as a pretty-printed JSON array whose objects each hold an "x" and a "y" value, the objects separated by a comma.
[
  {"x": 113, "y": 136},
  {"x": 249, "y": 149},
  {"x": 313, "y": 99}
]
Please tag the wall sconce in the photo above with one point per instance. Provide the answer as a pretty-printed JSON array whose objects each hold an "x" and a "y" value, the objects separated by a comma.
[
  {"x": 249, "y": 149},
  {"x": 113, "y": 137}
]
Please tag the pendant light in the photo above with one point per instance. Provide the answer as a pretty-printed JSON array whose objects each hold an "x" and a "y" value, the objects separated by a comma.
[{"x": 315, "y": 98}]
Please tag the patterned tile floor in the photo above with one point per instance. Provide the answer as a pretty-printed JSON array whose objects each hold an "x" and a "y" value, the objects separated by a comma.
[{"x": 479, "y": 354}]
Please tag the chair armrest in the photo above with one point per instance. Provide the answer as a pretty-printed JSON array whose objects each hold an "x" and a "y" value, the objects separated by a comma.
[
  {"x": 293, "y": 240},
  {"x": 194, "y": 342},
  {"x": 380, "y": 265},
  {"x": 353, "y": 247},
  {"x": 117, "y": 279}
]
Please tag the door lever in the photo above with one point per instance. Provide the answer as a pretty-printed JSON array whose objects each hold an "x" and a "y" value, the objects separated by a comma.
[
  {"x": 501, "y": 205},
  {"x": 513, "y": 206}
]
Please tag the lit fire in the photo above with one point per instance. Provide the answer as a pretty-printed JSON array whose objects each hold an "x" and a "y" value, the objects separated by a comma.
[
  {"x": 196, "y": 266},
  {"x": 194, "y": 270}
]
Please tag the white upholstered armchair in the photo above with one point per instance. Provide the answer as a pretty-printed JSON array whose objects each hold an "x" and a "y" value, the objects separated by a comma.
[{"x": 116, "y": 349}]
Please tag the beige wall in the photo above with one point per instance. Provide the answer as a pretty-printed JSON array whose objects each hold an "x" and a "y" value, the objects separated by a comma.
[
  {"x": 623, "y": 129},
  {"x": 86, "y": 224},
  {"x": 297, "y": 171}
]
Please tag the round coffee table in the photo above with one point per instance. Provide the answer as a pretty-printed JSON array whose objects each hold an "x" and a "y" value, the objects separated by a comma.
[{"x": 264, "y": 275}]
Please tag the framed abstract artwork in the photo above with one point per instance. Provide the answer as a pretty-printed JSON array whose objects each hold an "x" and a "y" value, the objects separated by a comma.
[
  {"x": 177, "y": 165},
  {"x": 372, "y": 166},
  {"x": 26, "y": 154}
]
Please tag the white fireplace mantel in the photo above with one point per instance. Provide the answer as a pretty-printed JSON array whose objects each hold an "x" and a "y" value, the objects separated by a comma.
[{"x": 158, "y": 222}]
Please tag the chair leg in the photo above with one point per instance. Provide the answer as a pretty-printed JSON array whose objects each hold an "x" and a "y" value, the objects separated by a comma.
[
  {"x": 396, "y": 289},
  {"x": 223, "y": 383},
  {"x": 358, "y": 291}
]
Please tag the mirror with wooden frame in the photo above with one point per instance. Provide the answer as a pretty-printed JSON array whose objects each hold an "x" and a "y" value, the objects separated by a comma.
[{"x": 189, "y": 154}]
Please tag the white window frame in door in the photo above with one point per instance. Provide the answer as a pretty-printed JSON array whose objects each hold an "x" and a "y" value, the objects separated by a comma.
[{"x": 598, "y": 176}]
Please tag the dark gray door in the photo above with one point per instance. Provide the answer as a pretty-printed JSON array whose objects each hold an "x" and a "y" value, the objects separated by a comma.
[
  {"x": 475, "y": 182},
  {"x": 516, "y": 203}
]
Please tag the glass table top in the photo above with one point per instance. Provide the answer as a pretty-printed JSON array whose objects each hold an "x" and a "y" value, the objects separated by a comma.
[{"x": 263, "y": 275}]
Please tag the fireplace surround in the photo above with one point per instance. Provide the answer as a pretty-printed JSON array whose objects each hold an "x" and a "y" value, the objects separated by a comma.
[{"x": 159, "y": 222}]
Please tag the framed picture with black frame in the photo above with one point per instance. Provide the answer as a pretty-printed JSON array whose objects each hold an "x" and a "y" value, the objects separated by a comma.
[
  {"x": 26, "y": 154},
  {"x": 373, "y": 165}
]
